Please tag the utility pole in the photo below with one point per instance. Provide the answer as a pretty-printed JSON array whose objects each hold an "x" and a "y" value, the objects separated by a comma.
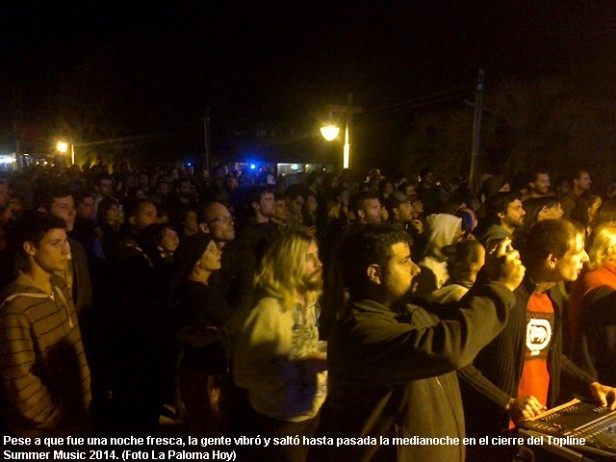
[
  {"x": 348, "y": 110},
  {"x": 476, "y": 127},
  {"x": 18, "y": 119},
  {"x": 206, "y": 134}
]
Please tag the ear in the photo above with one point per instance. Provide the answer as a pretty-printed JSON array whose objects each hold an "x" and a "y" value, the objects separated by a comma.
[
  {"x": 550, "y": 261},
  {"x": 29, "y": 248},
  {"x": 501, "y": 215},
  {"x": 374, "y": 274},
  {"x": 132, "y": 220},
  {"x": 204, "y": 228},
  {"x": 360, "y": 213},
  {"x": 255, "y": 205}
]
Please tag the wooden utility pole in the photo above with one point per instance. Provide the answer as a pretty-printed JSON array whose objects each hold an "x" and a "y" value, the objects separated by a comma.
[
  {"x": 476, "y": 127},
  {"x": 206, "y": 135}
]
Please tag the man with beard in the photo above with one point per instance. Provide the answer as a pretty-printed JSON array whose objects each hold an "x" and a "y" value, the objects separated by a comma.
[
  {"x": 506, "y": 214},
  {"x": 399, "y": 209},
  {"x": 182, "y": 198},
  {"x": 518, "y": 375},
  {"x": 538, "y": 184},
  {"x": 277, "y": 355},
  {"x": 367, "y": 208},
  {"x": 580, "y": 183},
  {"x": 392, "y": 365}
]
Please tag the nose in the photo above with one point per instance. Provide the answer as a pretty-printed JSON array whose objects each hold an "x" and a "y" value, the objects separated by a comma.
[{"x": 415, "y": 269}]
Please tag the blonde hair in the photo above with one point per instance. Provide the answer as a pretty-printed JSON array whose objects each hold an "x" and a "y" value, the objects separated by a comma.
[
  {"x": 283, "y": 266},
  {"x": 602, "y": 240}
]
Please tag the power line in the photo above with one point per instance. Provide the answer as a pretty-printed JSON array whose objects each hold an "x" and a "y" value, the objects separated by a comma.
[{"x": 419, "y": 101}]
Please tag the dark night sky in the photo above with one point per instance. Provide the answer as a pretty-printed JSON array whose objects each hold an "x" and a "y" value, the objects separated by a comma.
[{"x": 154, "y": 69}]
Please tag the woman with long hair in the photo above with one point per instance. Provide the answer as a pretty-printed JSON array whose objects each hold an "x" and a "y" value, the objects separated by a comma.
[{"x": 200, "y": 317}]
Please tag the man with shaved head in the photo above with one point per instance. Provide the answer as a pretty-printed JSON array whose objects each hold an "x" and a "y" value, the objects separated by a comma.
[
  {"x": 214, "y": 218},
  {"x": 235, "y": 277}
]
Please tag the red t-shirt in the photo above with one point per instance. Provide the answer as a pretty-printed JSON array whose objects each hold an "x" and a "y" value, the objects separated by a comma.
[{"x": 535, "y": 378}]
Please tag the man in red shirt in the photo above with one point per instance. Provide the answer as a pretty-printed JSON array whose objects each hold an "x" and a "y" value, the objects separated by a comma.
[{"x": 520, "y": 371}]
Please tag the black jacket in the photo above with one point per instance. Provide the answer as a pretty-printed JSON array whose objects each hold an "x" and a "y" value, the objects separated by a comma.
[
  {"x": 393, "y": 374},
  {"x": 596, "y": 345},
  {"x": 494, "y": 377}
]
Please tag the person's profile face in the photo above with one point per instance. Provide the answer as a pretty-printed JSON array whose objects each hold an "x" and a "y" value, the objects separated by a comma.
[
  {"x": 570, "y": 265},
  {"x": 398, "y": 274}
]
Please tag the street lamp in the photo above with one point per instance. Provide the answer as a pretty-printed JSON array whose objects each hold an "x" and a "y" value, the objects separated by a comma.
[
  {"x": 62, "y": 146},
  {"x": 331, "y": 131}
]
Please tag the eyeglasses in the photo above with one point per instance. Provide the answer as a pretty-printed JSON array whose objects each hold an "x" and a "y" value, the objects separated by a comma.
[{"x": 224, "y": 219}]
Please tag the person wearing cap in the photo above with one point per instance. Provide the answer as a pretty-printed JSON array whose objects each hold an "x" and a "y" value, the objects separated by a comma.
[{"x": 399, "y": 209}]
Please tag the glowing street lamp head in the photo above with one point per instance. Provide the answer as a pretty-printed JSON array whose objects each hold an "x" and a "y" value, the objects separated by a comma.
[
  {"x": 62, "y": 146},
  {"x": 330, "y": 132}
]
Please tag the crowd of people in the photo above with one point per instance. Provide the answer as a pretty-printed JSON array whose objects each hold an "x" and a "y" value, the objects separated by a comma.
[{"x": 320, "y": 304}]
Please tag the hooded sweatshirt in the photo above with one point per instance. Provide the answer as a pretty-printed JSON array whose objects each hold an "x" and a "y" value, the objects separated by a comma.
[
  {"x": 442, "y": 229},
  {"x": 45, "y": 373}
]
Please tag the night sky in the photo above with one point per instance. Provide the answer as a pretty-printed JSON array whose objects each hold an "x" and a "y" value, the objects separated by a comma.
[{"x": 103, "y": 71}]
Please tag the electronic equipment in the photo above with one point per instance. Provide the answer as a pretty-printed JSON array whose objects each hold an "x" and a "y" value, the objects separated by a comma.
[{"x": 578, "y": 426}]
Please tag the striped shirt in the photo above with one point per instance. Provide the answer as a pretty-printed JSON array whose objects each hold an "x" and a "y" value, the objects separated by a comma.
[{"x": 45, "y": 374}]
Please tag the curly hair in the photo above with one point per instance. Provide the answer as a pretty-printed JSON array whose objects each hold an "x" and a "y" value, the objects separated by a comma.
[{"x": 364, "y": 246}]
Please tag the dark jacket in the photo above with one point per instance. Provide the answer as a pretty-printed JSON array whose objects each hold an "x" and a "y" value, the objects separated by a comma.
[
  {"x": 198, "y": 305},
  {"x": 235, "y": 278},
  {"x": 256, "y": 237},
  {"x": 596, "y": 345},
  {"x": 494, "y": 378},
  {"x": 82, "y": 285},
  {"x": 494, "y": 233},
  {"x": 393, "y": 374}
]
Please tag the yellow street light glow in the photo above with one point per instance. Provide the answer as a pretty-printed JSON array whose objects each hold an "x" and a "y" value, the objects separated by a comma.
[
  {"x": 346, "y": 154},
  {"x": 330, "y": 132},
  {"x": 62, "y": 146}
]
